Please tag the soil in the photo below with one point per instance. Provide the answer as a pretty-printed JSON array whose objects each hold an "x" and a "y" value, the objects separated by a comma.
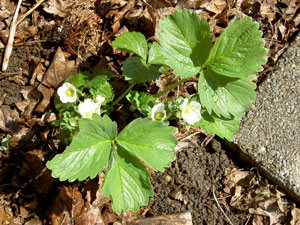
[{"x": 188, "y": 184}]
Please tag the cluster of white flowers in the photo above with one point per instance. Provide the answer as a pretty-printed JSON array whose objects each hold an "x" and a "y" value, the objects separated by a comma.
[
  {"x": 190, "y": 111},
  {"x": 67, "y": 93}
]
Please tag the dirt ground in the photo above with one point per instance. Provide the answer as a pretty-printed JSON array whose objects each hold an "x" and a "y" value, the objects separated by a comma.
[{"x": 203, "y": 179}]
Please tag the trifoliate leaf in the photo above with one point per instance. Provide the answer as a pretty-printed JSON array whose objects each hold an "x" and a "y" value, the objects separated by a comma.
[
  {"x": 224, "y": 128},
  {"x": 137, "y": 70},
  {"x": 155, "y": 56},
  {"x": 127, "y": 181},
  {"x": 149, "y": 140},
  {"x": 186, "y": 42},
  {"x": 133, "y": 42},
  {"x": 223, "y": 95},
  {"x": 239, "y": 51},
  {"x": 89, "y": 151}
]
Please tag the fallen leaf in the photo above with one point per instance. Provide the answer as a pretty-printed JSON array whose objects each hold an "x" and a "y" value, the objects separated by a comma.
[
  {"x": 59, "y": 69},
  {"x": 215, "y": 6},
  {"x": 295, "y": 212},
  {"x": 47, "y": 94},
  {"x": 67, "y": 206},
  {"x": 57, "y": 7},
  {"x": 7, "y": 119}
]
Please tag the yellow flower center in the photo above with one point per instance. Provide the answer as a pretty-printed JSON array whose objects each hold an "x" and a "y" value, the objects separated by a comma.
[
  {"x": 88, "y": 115},
  {"x": 70, "y": 92},
  {"x": 189, "y": 109},
  {"x": 159, "y": 116}
]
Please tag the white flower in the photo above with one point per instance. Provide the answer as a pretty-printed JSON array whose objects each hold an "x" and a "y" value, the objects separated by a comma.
[
  {"x": 67, "y": 93},
  {"x": 158, "y": 112},
  {"x": 100, "y": 99},
  {"x": 88, "y": 107},
  {"x": 190, "y": 112}
]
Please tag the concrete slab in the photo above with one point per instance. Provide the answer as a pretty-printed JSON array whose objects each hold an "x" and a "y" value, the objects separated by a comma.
[{"x": 269, "y": 135}]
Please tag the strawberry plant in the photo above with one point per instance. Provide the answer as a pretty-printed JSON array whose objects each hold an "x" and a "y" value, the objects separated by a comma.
[{"x": 225, "y": 88}]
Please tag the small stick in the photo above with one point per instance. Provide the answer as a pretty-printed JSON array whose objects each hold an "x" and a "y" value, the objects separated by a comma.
[
  {"x": 9, "y": 45},
  {"x": 30, "y": 11},
  {"x": 213, "y": 191}
]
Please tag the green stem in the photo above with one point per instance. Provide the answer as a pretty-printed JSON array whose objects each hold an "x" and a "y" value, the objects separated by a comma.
[
  {"x": 170, "y": 88},
  {"x": 123, "y": 95}
]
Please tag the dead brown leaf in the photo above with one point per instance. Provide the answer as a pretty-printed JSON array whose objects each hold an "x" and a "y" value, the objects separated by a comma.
[
  {"x": 60, "y": 68},
  {"x": 68, "y": 205},
  {"x": 7, "y": 119},
  {"x": 215, "y": 6},
  {"x": 31, "y": 98},
  {"x": 295, "y": 213},
  {"x": 58, "y": 7},
  {"x": 47, "y": 94}
]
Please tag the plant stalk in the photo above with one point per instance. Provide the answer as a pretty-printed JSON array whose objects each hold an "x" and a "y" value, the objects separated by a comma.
[
  {"x": 170, "y": 88},
  {"x": 123, "y": 95}
]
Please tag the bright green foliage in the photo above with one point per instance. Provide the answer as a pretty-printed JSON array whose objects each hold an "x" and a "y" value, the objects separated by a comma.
[
  {"x": 87, "y": 79},
  {"x": 143, "y": 67},
  {"x": 186, "y": 41},
  {"x": 135, "y": 69},
  {"x": 89, "y": 151},
  {"x": 150, "y": 141},
  {"x": 225, "y": 128},
  {"x": 155, "y": 56},
  {"x": 127, "y": 181},
  {"x": 239, "y": 51},
  {"x": 133, "y": 42},
  {"x": 225, "y": 96},
  {"x": 141, "y": 101},
  {"x": 97, "y": 145},
  {"x": 3, "y": 144}
]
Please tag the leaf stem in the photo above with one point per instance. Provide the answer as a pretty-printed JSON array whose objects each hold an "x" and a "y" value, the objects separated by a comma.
[
  {"x": 123, "y": 95},
  {"x": 170, "y": 88}
]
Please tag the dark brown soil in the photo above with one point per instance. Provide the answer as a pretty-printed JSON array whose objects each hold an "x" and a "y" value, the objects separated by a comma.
[
  {"x": 11, "y": 92},
  {"x": 188, "y": 185}
]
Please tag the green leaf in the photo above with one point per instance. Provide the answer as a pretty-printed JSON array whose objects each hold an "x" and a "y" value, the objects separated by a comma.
[
  {"x": 96, "y": 81},
  {"x": 127, "y": 181},
  {"x": 137, "y": 70},
  {"x": 132, "y": 42},
  {"x": 89, "y": 151},
  {"x": 224, "y": 128},
  {"x": 223, "y": 95},
  {"x": 141, "y": 101},
  {"x": 105, "y": 90},
  {"x": 239, "y": 51},
  {"x": 155, "y": 56},
  {"x": 151, "y": 141},
  {"x": 79, "y": 79},
  {"x": 186, "y": 41}
]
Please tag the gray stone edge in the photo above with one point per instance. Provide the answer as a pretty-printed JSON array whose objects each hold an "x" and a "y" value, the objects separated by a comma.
[{"x": 268, "y": 174}]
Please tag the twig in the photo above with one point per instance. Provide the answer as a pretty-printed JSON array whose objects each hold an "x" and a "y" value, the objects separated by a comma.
[
  {"x": 249, "y": 217},
  {"x": 28, "y": 43},
  {"x": 213, "y": 191},
  {"x": 30, "y": 11},
  {"x": 9, "y": 45}
]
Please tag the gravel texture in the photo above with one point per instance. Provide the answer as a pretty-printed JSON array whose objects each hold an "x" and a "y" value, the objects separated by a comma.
[{"x": 269, "y": 132}]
